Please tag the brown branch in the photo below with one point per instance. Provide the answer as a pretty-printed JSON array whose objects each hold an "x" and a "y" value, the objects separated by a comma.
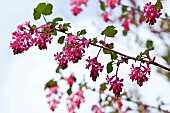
[
  {"x": 127, "y": 56},
  {"x": 130, "y": 100},
  {"x": 133, "y": 58}
]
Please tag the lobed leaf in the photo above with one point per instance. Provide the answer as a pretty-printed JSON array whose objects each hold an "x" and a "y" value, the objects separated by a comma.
[{"x": 110, "y": 31}]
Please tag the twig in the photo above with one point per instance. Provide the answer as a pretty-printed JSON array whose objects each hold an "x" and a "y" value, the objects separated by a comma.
[{"x": 133, "y": 58}]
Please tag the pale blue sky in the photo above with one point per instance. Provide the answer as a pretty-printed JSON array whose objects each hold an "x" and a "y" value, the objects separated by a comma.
[{"x": 22, "y": 77}]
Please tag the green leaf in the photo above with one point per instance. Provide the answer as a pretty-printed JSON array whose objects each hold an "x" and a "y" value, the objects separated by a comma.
[
  {"x": 54, "y": 33},
  {"x": 100, "y": 100},
  {"x": 147, "y": 51},
  {"x": 74, "y": 78},
  {"x": 50, "y": 83},
  {"x": 94, "y": 41},
  {"x": 113, "y": 56},
  {"x": 109, "y": 67},
  {"x": 55, "y": 20},
  {"x": 103, "y": 86},
  {"x": 166, "y": 15},
  {"x": 110, "y": 103},
  {"x": 33, "y": 27},
  {"x": 81, "y": 85},
  {"x": 124, "y": 8},
  {"x": 82, "y": 32},
  {"x": 105, "y": 51},
  {"x": 109, "y": 31},
  {"x": 47, "y": 9},
  {"x": 68, "y": 45},
  {"x": 58, "y": 69},
  {"x": 124, "y": 15},
  {"x": 102, "y": 6},
  {"x": 124, "y": 32},
  {"x": 42, "y": 8},
  {"x": 158, "y": 5},
  {"x": 61, "y": 40},
  {"x": 106, "y": 97},
  {"x": 149, "y": 43},
  {"x": 138, "y": 57},
  {"x": 69, "y": 91},
  {"x": 66, "y": 26}
]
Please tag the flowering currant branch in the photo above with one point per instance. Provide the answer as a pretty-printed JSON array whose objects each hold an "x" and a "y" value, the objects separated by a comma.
[
  {"x": 133, "y": 58},
  {"x": 74, "y": 48}
]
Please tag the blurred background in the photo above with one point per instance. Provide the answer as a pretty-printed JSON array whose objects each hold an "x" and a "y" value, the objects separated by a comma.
[{"x": 23, "y": 76}]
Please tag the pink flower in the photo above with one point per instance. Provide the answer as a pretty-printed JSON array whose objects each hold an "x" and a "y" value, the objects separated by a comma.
[
  {"x": 125, "y": 24},
  {"x": 95, "y": 67},
  {"x": 120, "y": 104},
  {"x": 53, "y": 101},
  {"x": 62, "y": 58},
  {"x": 112, "y": 3},
  {"x": 76, "y": 10},
  {"x": 74, "y": 101},
  {"x": 43, "y": 36},
  {"x": 140, "y": 74},
  {"x": 115, "y": 85},
  {"x": 22, "y": 38},
  {"x": 70, "y": 80},
  {"x": 78, "y": 2},
  {"x": 108, "y": 80},
  {"x": 77, "y": 6},
  {"x": 105, "y": 16},
  {"x": 96, "y": 109},
  {"x": 151, "y": 13}
]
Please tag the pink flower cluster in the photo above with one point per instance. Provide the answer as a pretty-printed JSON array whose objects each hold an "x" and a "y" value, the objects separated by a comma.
[
  {"x": 112, "y": 3},
  {"x": 74, "y": 101},
  {"x": 43, "y": 36},
  {"x": 72, "y": 51},
  {"x": 151, "y": 13},
  {"x": 23, "y": 37},
  {"x": 96, "y": 109},
  {"x": 77, "y": 6},
  {"x": 95, "y": 67},
  {"x": 140, "y": 73},
  {"x": 115, "y": 85},
  {"x": 128, "y": 19},
  {"x": 52, "y": 101}
]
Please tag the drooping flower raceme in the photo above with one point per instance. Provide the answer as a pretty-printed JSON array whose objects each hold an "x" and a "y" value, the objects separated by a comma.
[
  {"x": 151, "y": 13},
  {"x": 26, "y": 36},
  {"x": 126, "y": 23},
  {"x": 77, "y": 6},
  {"x": 54, "y": 97},
  {"x": 73, "y": 51},
  {"x": 22, "y": 38},
  {"x": 105, "y": 16},
  {"x": 95, "y": 66},
  {"x": 43, "y": 36},
  {"x": 74, "y": 101},
  {"x": 115, "y": 85},
  {"x": 112, "y": 3},
  {"x": 140, "y": 73}
]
